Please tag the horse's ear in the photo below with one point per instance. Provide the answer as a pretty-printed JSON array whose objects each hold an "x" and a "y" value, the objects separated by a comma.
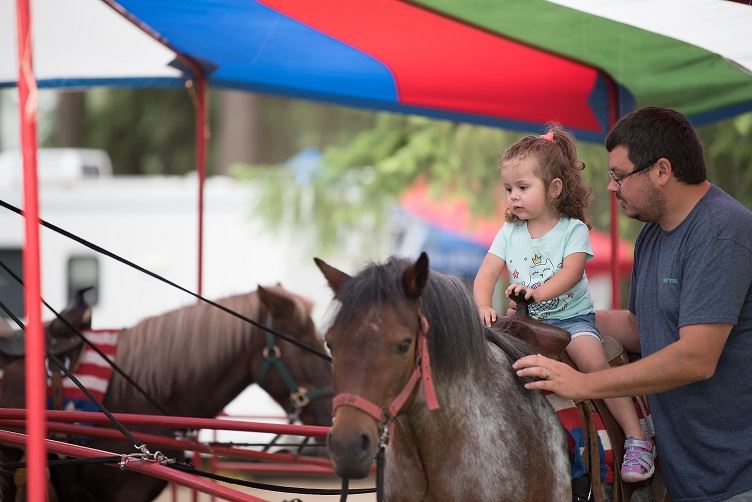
[
  {"x": 278, "y": 304},
  {"x": 336, "y": 278},
  {"x": 415, "y": 276}
]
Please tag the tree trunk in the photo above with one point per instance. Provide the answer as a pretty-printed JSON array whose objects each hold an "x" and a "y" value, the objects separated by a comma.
[
  {"x": 240, "y": 130},
  {"x": 70, "y": 116}
]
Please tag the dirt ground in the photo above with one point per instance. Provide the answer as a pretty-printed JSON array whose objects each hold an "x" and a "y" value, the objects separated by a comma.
[{"x": 184, "y": 494}]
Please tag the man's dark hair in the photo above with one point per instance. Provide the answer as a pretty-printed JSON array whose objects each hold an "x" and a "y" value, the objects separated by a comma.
[{"x": 653, "y": 132}]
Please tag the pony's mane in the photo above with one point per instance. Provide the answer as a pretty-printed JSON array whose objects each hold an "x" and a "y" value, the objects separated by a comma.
[
  {"x": 199, "y": 336},
  {"x": 456, "y": 339}
]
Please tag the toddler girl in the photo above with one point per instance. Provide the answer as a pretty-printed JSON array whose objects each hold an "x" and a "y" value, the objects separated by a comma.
[{"x": 544, "y": 245}]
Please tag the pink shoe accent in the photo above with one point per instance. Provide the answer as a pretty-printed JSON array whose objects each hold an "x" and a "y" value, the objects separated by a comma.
[{"x": 639, "y": 460}]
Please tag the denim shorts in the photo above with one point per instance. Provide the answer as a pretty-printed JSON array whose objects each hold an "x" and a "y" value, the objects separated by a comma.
[{"x": 577, "y": 325}]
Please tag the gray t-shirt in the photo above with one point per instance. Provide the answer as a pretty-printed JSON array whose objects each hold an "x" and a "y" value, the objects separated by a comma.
[{"x": 701, "y": 273}]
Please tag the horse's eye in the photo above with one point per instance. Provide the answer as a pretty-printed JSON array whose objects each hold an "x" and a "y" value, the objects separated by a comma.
[
  {"x": 328, "y": 347},
  {"x": 404, "y": 346}
]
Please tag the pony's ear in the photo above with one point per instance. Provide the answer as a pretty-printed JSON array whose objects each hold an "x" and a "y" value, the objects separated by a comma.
[
  {"x": 415, "y": 276},
  {"x": 336, "y": 278},
  {"x": 278, "y": 304}
]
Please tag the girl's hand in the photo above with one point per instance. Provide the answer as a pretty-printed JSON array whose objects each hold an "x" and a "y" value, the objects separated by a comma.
[
  {"x": 487, "y": 315},
  {"x": 530, "y": 294}
]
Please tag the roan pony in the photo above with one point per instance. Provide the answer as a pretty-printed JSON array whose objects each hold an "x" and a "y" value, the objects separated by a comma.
[{"x": 488, "y": 438}]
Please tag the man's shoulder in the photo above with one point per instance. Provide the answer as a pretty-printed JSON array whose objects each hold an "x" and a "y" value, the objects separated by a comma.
[{"x": 726, "y": 217}]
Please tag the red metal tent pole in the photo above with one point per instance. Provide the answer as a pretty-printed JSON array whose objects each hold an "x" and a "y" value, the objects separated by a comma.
[
  {"x": 35, "y": 374},
  {"x": 151, "y": 468},
  {"x": 202, "y": 135},
  {"x": 613, "y": 116}
]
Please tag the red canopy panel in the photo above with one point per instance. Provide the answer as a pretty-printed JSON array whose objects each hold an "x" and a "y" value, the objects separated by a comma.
[{"x": 441, "y": 63}]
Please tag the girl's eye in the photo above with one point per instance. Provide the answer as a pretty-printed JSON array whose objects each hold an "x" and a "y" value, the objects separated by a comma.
[
  {"x": 507, "y": 189},
  {"x": 404, "y": 346},
  {"x": 523, "y": 188}
]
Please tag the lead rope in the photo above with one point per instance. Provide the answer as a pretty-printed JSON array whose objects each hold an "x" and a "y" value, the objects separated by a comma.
[
  {"x": 345, "y": 486},
  {"x": 380, "y": 466}
]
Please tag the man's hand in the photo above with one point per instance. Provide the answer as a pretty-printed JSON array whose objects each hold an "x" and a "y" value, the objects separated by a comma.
[
  {"x": 487, "y": 315},
  {"x": 554, "y": 376}
]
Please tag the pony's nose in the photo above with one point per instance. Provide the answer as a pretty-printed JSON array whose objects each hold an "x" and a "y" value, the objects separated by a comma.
[{"x": 355, "y": 446}]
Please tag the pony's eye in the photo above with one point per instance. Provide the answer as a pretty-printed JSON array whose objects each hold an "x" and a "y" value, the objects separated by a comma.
[
  {"x": 404, "y": 346},
  {"x": 328, "y": 347}
]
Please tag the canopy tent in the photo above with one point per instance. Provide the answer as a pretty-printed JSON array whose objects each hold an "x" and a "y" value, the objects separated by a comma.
[
  {"x": 511, "y": 63},
  {"x": 514, "y": 64}
]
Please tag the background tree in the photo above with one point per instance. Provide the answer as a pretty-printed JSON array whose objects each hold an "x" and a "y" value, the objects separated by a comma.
[
  {"x": 369, "y": 158},
  {"x": 357, "y": 183}
]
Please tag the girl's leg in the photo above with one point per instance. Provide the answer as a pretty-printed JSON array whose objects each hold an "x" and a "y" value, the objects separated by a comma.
[{"x": 586, "y": 352}]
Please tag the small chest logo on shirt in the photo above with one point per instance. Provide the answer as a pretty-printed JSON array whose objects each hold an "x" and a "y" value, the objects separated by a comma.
[{"x": 670, "y": 280}]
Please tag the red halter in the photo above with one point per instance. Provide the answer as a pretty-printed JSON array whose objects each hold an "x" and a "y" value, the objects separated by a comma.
[{"x": 422, "y": 370}]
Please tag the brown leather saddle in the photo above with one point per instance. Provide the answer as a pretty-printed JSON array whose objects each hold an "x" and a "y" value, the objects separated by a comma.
[
  {"x": 65, "y": 343},
  {"x": 551, "y": 342}
]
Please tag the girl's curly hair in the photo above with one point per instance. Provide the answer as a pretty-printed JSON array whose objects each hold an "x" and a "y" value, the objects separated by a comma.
[{"x": 557, "y": 158}]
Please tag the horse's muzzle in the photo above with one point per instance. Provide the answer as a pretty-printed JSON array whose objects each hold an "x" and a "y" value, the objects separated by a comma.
[{"x": 352, "y": 451}]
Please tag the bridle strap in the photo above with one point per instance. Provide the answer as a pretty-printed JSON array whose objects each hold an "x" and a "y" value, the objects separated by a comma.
[
  {"x": 422, "y": 371},
  {"x": 360, "y": 403},
  {"x": 429, "y": 391},
  {"x": 384, "y": 415}
]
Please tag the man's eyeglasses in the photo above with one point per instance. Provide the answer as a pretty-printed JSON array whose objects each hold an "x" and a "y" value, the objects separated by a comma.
[{"x": 619, "y": 179}]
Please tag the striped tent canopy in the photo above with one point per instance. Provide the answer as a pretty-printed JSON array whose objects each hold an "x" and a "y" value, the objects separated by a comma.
[{"x": 509, "y": 63}]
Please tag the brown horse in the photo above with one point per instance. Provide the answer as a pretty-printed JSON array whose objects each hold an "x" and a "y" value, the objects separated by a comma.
[
  {"x": 480, "y": 435},
  {"x": 193, "y": 361}
]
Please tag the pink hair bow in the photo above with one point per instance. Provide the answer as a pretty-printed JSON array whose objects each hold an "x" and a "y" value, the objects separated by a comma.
[{"x": 549, "y": 136}]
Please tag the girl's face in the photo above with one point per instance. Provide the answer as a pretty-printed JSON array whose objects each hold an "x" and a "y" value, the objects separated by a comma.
[{"x": 526, "y": 192}]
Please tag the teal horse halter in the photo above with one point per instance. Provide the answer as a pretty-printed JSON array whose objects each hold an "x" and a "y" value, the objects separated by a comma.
[{"x": 300, "y": 396}]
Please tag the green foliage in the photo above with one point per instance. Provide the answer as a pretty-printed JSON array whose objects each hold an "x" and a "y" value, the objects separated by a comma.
[
  {"x": 145, "y": 131},
  {"x": 728, "y": 152},
  {"x": 357, "y": 183}
]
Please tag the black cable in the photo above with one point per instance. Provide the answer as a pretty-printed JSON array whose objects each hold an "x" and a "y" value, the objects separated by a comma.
[
  {"x": 93, "y": 346},
  {"x": 66, "y": 461},
  {"x": 263, "y": 486},
  {"x": 81, "y": 386},
  {"x": 233, "y": 444},
  {"x": 112, "y": 255}
]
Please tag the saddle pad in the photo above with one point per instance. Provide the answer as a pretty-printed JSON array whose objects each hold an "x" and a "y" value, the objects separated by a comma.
[
  {"x": 567, "y": 412},
  {"x": 92, "y": 371},
  {"x": 570, "y": 419}
]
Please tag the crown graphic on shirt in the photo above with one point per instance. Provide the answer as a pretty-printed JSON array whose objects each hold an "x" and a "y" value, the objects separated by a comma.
[{"x": 537, "y": 260}]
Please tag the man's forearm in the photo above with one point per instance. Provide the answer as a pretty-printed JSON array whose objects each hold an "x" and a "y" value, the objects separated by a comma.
[
  {"x": 621, "y": 325},
  {"x": 666, "y": 369}
]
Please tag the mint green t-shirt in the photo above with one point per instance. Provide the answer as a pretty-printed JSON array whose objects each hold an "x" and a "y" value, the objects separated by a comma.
[{"x": 531, "y": 262}]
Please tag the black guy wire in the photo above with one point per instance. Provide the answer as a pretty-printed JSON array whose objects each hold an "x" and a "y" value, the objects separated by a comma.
[
  {"x": 67, "y": 461},
  {"x": 53, "y": 358},
  {"x": 112, "y": 255},
  {"x": 233, "y": 444},
  {"x": 92, "y": 345},
  {"x": 263, "y": 486}
]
